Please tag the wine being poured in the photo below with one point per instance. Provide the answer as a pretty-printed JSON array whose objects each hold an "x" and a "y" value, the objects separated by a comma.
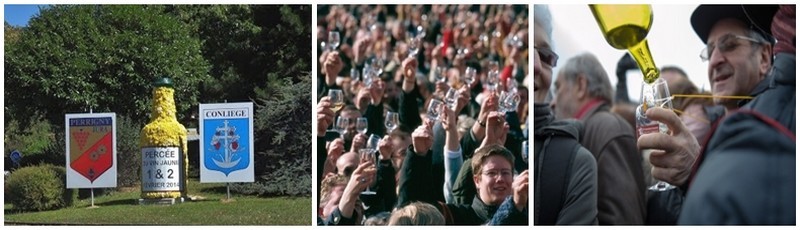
[{"x": 625, "y": 27}]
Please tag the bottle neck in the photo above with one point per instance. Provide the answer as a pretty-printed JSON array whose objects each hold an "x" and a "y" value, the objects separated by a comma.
[{"x": 163, "y": 103}]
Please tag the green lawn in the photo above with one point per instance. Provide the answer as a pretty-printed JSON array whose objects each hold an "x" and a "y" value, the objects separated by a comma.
[{"x": 122, "y": 208}]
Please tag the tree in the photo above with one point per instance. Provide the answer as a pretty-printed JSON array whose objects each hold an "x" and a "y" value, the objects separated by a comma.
[{"x": 74, "y": 57}]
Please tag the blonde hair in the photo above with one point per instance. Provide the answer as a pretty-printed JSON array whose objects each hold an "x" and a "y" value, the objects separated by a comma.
[
  {"x": 327, "y": 185},
  {"x": 417, "y": 213}
]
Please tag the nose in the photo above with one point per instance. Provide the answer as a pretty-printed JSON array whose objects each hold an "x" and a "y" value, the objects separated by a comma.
[
  {"x": 537, "y": 65},
  {"x": 715, "y": 59}
]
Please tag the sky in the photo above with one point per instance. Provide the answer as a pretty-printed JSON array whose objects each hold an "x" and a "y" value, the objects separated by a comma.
[
  {"x": 671, "y": 39},
  {"x": 18, "y": 15}
]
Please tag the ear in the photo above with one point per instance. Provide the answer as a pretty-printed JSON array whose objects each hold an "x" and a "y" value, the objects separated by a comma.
[
  {"x": 477, "y": 180},
  {"x": 766, "y": 61},
  {"x": 581, "y": 85}
]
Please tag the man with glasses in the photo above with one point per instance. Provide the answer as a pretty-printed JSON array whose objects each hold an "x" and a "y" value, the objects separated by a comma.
[
  {"x": 745, "y": 173},
  {"x": 565, "y": 173}
]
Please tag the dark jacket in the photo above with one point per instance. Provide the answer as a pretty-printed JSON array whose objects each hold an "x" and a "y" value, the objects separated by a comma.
[
  {"x": 621, "y": 186},
  {"x": 416, "y": 185},
  {"x": 577, "y": 204},
  {"x": 746, "y": 173}
]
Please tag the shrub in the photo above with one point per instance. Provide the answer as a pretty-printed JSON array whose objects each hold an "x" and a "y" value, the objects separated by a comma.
[
  {"x": 129, "y": 160},
  {"x": 32, "y": 140},
  {"x": 291, "y": 178},
  {"x": 38, "y": 188}
]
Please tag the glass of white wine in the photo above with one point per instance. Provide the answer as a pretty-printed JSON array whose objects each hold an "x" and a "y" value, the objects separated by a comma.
[
  {"x": 434, "y": 109},
  {"x": 337, "y": 99},
  {"x": 654, "y": 95}
]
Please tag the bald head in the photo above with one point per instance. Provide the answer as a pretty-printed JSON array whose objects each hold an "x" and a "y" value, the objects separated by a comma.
[{"x": 347, "y": 163}]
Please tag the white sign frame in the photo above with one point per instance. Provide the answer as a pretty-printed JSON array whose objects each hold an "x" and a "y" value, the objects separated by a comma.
[
  {"x": 107, "y": 179},
  {"x": 237, "y": 112}
]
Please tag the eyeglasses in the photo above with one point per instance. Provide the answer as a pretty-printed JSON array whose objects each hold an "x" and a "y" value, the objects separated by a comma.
[
  {"x": 547, "y": 56},
  {"x": 725, "y": 44},
  {"x": 495, "y": 173}
]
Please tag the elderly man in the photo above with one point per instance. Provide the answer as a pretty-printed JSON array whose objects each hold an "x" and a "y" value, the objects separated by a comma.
[
  {"x": 565, "y": 182},
  {"x": 745, "y": 174},
  {"x": 584, "y": 93}
]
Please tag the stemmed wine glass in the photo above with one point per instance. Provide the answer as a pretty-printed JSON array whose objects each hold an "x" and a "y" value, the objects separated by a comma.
[
  {"x": 440, "y": 74},
  {"x": 492, "y": 80},
  {"x": 435, "y": 109},
  {"x": 333, "y": 40},
  {"x": 654, "y": 94},
  {"x": 337, "y": 99},
  {"x": 451, "y": 98},
  {"x": 377, "y": 65},
  {"x": 391, "y": 121},
  {"x": 341, "y": 125},
  {"x": 361, "y": 125},
  {"x": 354, "y": 75},
  {"x": 414, "y": 42},
  {"x": 508, "y": 101},
  {"x": 469, "y": 76},
  {"x": 368, "y": 155}
]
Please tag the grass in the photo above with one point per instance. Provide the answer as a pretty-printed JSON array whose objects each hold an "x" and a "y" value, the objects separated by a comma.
[{"x": 122, "y": 208}]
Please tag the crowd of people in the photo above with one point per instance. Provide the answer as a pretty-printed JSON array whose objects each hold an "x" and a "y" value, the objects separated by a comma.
[
  {"x": 730, "y": 160},
  {"x": 422, "y": 115}
]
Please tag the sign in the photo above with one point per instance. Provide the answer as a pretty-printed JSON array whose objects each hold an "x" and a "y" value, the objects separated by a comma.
[
  {"x": 160, "y": 169},
  {"x": 16, "y": 157},
  {"x": 226, "y": 142},
  {"x": 91, "y": 155}
]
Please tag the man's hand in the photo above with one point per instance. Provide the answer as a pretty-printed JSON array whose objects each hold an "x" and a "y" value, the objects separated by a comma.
[
  {"x": 449, "y": 118},
  {"x": 674, "y": 153},
  {"x": 520, "y": 186},
  {"x": 335, "y": 150},
  {"x": 361, "y": 178},
  {"x": 422, "y": 138},
  {"x": 376, "y": 91},
  {"x": 324, "y": 116},
  {"x": 496, "y": 129},
  {"x": 333, "y": 65},
  {"x": 489, "y": 105},
  {"x": 385, "y": 148},
  {"x": 463, "y": 99},
  {"x": 360, "y": 48},
  {"x": 409, "y": 68},
  {"x": 359, "y": 142}
]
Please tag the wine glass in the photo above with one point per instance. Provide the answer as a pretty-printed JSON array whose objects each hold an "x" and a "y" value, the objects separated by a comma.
[
  {"x": 334, "y": 39},
  {"x": 492, "y": 80},
  {"x": 508, "y": 102},
  {"x": 367, "y": 155},
  {"x": 451, "y": 98},
  {"x": 377, "y": 65},
  {"x": 494, "y": 66},
  {"x": 413, "y": 46},
  {"x": 361, "y": 125},
  {"x": 655, "y": 94},
  {"x": 341, "y": 125},
  {"x": 469, "y": 76},
  {"x": 337, "y": 99},
  {"x": 420, "y": 31},
  {"x": 435, "y": 109},
  {"x": 354, "y": 75},
  {"x": 367, "y": 76},
  {"x": 391, "y": 121},
  {"x": 440, "y": 74}
]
